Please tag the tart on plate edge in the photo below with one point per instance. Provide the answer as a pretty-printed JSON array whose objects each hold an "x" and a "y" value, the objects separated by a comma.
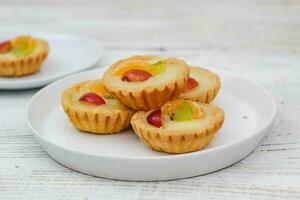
[{"x": 22, "y": 56}]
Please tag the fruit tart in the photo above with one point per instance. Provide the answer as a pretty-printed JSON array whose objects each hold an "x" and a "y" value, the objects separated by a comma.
[
  {"x": 22, "y": 56},
  {"x": 91, "y": 108},
  {"x": 146, "y": 82},
  {"x": 179, "y": 126},
  {"x": 202, "y": 85}
]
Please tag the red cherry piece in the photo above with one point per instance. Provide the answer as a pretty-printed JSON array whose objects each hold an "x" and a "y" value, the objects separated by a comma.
[
  {"x": 5, "y": 46},
  {"x": 154, "y": 118},
  {"x": 136, "y": 75},
  {"x": 92, "y": 98},
  {"x": 190, "y": 84}
]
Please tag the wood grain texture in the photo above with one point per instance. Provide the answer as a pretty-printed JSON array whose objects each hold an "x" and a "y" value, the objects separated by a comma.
[{"x": 258, "y": 40}]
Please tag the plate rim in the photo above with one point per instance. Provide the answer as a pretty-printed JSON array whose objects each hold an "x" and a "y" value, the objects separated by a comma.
[
  {"x": 170, "y": 156},
  {"x": 40, "y": 82}
]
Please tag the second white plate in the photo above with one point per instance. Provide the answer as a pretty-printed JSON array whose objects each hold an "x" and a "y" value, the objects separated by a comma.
[
  {"x": 249, "y": 111},
  {"x": 68, "y": 54}
]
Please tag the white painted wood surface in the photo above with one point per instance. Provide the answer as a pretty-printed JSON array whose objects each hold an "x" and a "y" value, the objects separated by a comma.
[{"x": 259, "y": 40}]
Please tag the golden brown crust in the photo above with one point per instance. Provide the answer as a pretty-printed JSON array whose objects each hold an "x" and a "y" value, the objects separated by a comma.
[
  {"x": 171, "y": 141},
  {"x": 93, "y": 121},
  {"x": 204, "y": 96},
  {"x": 149, "y": 97},
  {"x": 24, "y": 65}
]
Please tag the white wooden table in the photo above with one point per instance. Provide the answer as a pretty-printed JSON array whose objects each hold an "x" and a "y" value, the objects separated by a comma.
[{"x": 259, "y": 40}]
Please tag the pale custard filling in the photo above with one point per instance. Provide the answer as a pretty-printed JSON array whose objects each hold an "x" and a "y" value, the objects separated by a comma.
[
  {"x": 205, "y": 81},
  {"x": 110, "y": 104},
  {"x": 171, "y": 72},
  {"x": 10, "y": 56},
  {"x": 95, "y": 87},
  {"x": 194, "y": 124},
  {"x": 207, "y": 117}
]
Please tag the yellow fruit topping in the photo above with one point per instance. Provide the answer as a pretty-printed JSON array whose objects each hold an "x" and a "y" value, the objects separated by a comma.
[
  {"x": 122, "y": 70},
  {"x": 98, "y": 88},
  {"x": 153, "y": 69},
  {"x": 23, "y": 45},
  {"x": 156, "y": 68}
]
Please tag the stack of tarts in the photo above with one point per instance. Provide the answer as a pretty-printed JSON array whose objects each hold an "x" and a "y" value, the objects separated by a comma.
[
  {"x": 21, "y": 56},
  {"x": 165, "y": 101}
]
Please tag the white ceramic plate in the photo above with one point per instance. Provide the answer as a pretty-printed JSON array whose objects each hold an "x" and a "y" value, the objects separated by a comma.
[
  {"x": 249, "y": 111},
  {"x": 68, "y": 54}
]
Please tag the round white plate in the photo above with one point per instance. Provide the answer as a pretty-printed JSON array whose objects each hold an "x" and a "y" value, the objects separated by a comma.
[
  {"x": 249, "y": 111},
  {"x": 68, "y": 54}
]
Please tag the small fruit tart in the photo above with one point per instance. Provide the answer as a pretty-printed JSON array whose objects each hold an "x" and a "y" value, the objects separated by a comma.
[
  {"x": 179, "y": 126},
  {"x": 92, "y": 109},
  {"x": 22, "y": 56},
  {"x": 202, "y": 85},
  {"x": 146, "y": 82}
]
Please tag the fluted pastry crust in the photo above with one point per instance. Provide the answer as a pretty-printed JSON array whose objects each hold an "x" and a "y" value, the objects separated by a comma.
[
  {"x": 209, "y": 86},
  {"x": 177, "y": 141},
  {"x": 92, "y": 120},
  {"x": 24, "y": 65},
  {"x": 152, "y": 95}
]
